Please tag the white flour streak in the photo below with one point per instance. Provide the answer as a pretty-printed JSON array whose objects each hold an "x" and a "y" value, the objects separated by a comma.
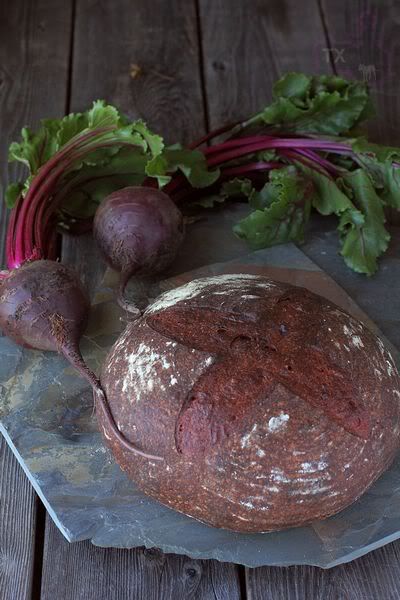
[
  {"x": 278, "y": 423},
  {"x": 245, "y": 440},
  {"x": 314, "y": 490},
  {"x": 106, "y": 435},
  {"x": 347, "y": 331},
  {"x": 381, "y": 346},
  {"x": 247, "y": 504},
  {"x": 357, "y": 341},
  {"x": 313, "y": 467},
  {"x": 140, "y": 368},
  {"x": 196, "y": 287},
  {"x": 279, "y": 476},
  {"x": 390, "y": 369},
  {"x": 165, "y": 363}
]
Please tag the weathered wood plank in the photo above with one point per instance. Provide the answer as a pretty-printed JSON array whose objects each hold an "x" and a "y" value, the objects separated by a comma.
[
  {"x": 246, "y": 48},
  {"x": 34, "y": 51},
  {"x": 17, "y": 528},
  {"x": 143, "y": 57},
  {"x": 362, "y": 36},
  {"x": 161, "y": 38},
  {"x": 84, "y": 572},
  {"x": 34, "y": 41},
  {"x": 363, "y": 42},
  {"x": 373, "y": 577}
]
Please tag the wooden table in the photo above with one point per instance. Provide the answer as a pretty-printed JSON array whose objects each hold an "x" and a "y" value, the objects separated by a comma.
[{"x": 185, "y": 66}]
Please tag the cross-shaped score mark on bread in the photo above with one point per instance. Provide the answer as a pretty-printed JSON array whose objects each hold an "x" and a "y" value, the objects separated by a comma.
[{"x": 255, "y": 351}]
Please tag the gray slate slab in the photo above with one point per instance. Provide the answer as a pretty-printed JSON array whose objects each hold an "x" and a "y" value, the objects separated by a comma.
[{"x": 46, "y": 416}]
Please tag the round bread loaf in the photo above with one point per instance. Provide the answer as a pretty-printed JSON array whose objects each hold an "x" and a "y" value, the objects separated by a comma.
[{"x": 269, "y": 406}]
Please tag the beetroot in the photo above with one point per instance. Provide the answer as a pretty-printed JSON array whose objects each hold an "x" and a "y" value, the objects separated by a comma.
[
  {"x": 138, "y": 230},
  {"x": 43, "y": 305}
]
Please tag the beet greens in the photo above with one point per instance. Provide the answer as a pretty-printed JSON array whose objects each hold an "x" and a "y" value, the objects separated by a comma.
[{"x": 303, "y": 151}]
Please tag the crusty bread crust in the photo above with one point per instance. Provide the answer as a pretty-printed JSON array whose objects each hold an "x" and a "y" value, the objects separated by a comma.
[{"x": 270, "y": 406}]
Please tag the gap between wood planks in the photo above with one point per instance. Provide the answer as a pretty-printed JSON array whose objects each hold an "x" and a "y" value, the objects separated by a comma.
[
  {"x": 39, "y": 550},
  {"x": 68, "y": 94}
]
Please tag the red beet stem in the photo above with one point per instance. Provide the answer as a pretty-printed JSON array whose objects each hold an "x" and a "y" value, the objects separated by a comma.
[
  {"x": 296, "y": 156},
  {"x": 44, "y": 171},
  {"x": 13, "y": 258},
  {"x": 323, "y": 162},
  {"x": 25, "y": 234},
  {"x": 229, "y": 151},
  {"x": 276, "y": 142},
  {"x": 248, "y": 167},
  {"x": 212, "y": 134}
]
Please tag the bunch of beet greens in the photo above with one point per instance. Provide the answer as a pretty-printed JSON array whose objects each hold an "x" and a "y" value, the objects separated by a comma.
[{"x": 303, "y": 151}]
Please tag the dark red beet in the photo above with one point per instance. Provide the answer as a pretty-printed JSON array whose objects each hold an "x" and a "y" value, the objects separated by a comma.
[
  {"x": 43, "y": 305},
  {"x": 139, "y": 231}
]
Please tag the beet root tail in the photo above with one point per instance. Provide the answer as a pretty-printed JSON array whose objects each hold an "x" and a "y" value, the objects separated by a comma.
[
  {"x": 72, "y": 353},
  {"x": 129, "y": 307}
]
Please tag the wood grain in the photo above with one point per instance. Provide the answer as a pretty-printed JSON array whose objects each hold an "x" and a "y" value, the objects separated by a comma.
[
  {"x": 373, "y": 577},
  {"x": 17, "y": 528},
  {"x": 246, "y": 49},
  {"x": 142, "y": 56},
  {"x": 34, "y": 41},
  {"x": 109, "y": 40},
  {"x": 363, "y": 36},
  {"x": 34, "y": 51},
  {"x": 84, "y": 572}
]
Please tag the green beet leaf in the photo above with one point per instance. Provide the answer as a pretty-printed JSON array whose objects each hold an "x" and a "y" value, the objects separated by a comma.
[
  {"x": 13, "y": 191},
  {"x": 191, "y": 163},
  {"x": 105, "y": 153},
  {"x": 284, "y": 209},
  {"x": 363, "y": 240},
  {"x": 328, "y": 198},
  {"x": 234, "y": 188},
  {"x": 322, "y": 104},
  {"x": 382, "y": 163}
]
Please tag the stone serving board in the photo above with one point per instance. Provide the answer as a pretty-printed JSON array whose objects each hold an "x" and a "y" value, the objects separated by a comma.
[{"x": 46, "y": 416}]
